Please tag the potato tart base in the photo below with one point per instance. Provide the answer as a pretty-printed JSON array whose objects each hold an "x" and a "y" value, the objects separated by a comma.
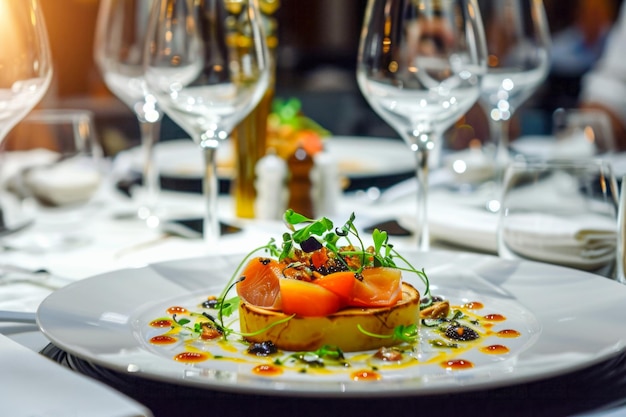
[{"x": 338, "y": 329}]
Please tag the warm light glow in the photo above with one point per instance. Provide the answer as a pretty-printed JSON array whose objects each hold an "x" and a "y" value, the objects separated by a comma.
[
  {"x": 589, "y": 134},
  {"x": 12, "y": 49},
  {"x": 475, "y": 144},
  {"x": 386, "y": 44},
  {"x": 493, "y": 61}
]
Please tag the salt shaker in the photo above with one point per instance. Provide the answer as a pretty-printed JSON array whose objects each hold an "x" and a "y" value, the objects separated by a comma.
[
  {"x": 271, "y": 174},
  {"x": 326, "y": 184}
]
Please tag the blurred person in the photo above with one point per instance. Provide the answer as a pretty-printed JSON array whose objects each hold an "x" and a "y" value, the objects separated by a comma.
[
  {"x": 604, "y": 87},
  {"x": 577, "y": 47}
]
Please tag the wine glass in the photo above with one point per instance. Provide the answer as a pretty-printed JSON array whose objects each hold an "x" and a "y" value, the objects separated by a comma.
[
  {"x": 560, "y": 211},
  {"x": 518, "y": 44},
  {"x": 419, "y": 67},
  {"x": 207, "y": 63},
  {"x": 25, "y": 75},
  {"x": 119, "y": 44}
]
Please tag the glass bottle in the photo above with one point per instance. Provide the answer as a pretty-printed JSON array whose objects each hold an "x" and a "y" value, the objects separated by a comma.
[{"x": 249, "y": 138}]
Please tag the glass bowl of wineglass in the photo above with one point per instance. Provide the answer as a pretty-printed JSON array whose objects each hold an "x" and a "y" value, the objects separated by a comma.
[
  {"x": 518, "y": 44},
  {"x": 118, "y": 49},
  {"x": 207, "y": 63},
  {"x": 25, "y": 75},
  {"x": 419, "y": 66}
]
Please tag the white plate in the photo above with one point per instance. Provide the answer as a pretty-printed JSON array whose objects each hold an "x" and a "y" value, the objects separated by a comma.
[
  {"x": 568, "y": 319},
  {"x": 356, "y": 157},
  {"x": 365, "y": 157}
]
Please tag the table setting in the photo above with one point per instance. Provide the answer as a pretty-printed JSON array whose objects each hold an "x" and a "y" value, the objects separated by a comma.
[
  {"x": 130, "y": 268},
  {"x": 521, "y": 241},
  {"x": 126, "y": 246}
]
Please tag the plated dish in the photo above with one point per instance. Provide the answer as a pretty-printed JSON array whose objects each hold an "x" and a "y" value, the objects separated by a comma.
[{"x": 567, "y": 320}]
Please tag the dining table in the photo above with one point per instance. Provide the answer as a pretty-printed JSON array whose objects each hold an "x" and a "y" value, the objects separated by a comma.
[{"x": 554, "y": 374}]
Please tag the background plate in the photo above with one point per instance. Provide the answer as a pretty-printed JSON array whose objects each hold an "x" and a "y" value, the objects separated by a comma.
[{"x": 363, "y": 161}]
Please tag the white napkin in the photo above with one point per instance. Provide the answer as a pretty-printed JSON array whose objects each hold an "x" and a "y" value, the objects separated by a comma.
[
  {"x": 462, "y": 225},
  {"x": 33, "y": 385},
  {"x": 548, "y": 146},
  {"x": 585, "y": 242}
]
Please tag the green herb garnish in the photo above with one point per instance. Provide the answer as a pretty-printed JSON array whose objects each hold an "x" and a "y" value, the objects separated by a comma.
[
  {"x": 402, "y": 333},
  {"x": 331, "y": 355},
  {"x": 344, "y": 241}
]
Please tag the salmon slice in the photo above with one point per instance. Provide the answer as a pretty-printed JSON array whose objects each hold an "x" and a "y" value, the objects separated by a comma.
[{"x": 260, "y": 285}]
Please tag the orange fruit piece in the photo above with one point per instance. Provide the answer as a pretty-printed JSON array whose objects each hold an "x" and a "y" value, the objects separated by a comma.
[
  {"x": 264, "y": 285},
  {"x": 380, "y": 287},
  {"x": 340, "y": 283},
  {"x": 307, "y": 299}
]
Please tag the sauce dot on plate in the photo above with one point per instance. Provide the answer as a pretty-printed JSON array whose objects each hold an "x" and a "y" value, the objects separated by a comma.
[
  {"x": 365, "y": 375},
  {"x": 163, "y": 340},
  {"x": 508, "y": 333},
  {"x": 267, "y": 370},
  {"x": 176, "y": 310},
  {"x": 495, "y": 349},
  {"x": 191, "y": 357},
  {"x": 457, "y": 364},
  {"x": 495, "y": 317},
  {"x": 161, "y": 323}
]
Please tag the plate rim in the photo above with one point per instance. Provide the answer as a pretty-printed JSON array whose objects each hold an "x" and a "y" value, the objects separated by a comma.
[
  {"x": 380, "y": 142},
  {"x": 409, "y": 390}
]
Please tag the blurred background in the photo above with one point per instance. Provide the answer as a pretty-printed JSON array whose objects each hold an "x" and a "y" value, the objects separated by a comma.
[{"x": 316, "y": 61}]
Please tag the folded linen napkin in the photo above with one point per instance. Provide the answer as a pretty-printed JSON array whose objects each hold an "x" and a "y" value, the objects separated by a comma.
[
  {"x": 33, "y": 385},
  {"x": 584, "y": 242},
  {"x": 465, "y": 226}
]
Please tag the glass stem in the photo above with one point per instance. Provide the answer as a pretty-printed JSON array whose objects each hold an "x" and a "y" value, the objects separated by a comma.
[
  {"x": 151, "y": 185},
  {"x": 422, "y": 154},
  {"x": 621, "y": 234},
  {"x": 210, "y": 186},
  {"x": 500, "y": 136}
]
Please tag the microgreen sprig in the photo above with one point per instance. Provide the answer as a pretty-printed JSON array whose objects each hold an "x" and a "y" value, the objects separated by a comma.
[
  {"x": 401, "y": 333},
  {"x": 318, "y": 358}
]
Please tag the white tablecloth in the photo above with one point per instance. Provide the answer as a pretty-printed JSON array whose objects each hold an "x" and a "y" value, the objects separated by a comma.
[{"x": 117, "y": 243}]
